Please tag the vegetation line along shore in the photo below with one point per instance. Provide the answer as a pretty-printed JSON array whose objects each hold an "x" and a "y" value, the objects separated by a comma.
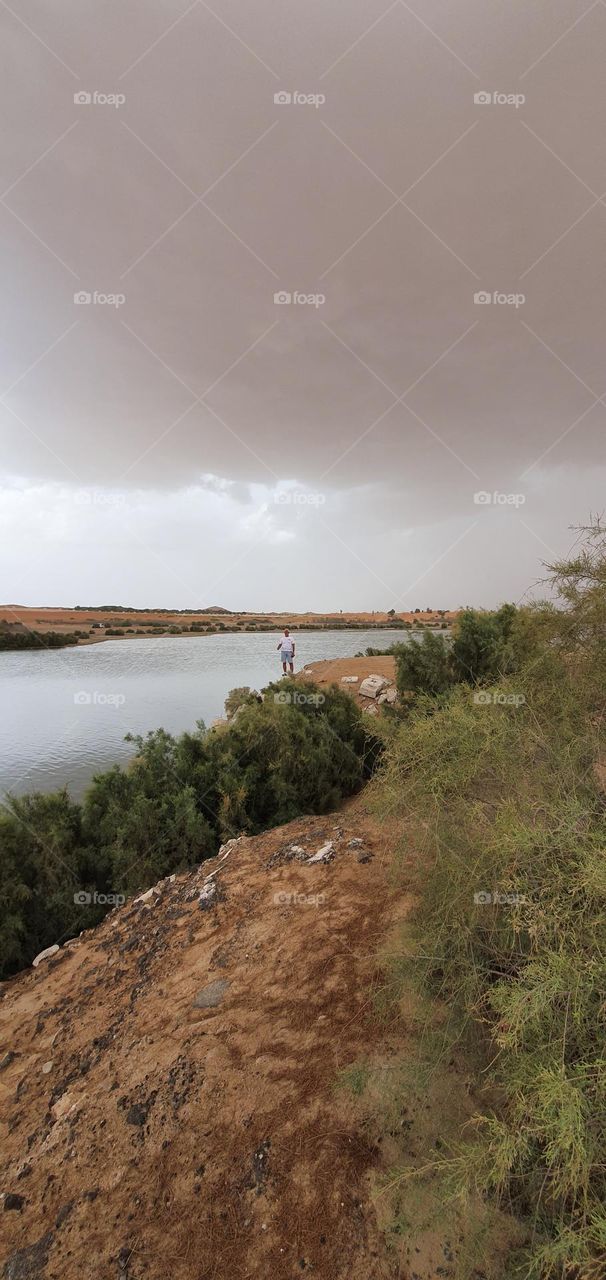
[{"x": 25, "y": 629}]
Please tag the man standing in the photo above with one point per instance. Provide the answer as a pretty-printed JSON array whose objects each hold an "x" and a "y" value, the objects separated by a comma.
[{"x": 287, "y": 651}]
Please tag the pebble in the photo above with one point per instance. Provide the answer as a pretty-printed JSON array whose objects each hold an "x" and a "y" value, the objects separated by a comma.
[
  {"x": 47, "y": 1068},
  {"x": 13, "y": 1201}
]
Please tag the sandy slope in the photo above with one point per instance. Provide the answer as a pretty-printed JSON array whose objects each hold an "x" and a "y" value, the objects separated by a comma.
[{"x": 174, "y": 1141}]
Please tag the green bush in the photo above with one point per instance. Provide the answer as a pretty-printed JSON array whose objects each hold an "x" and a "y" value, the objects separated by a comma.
[
  {"x": 239, "y": 697},
  {"x": 498, "y": 796},
  {"x": 36, "y": 639},
  {"x": 297, "y": 750},
  {"x": 479, "y": 649},
  {"x": 43, "y": 863},
  {"x": 482, "y": 648},
  {"x": 424, "y": 666}
]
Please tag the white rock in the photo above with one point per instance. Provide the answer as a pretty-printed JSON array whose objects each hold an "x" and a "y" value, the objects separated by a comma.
[
  {"x": 389, "y": 696},
  {"x": 324, "y": 854},
  {"x": 147, "y": 896},
  {"x": 373, "y": 685},
  {"x": 349, "y": 679},
  {"x": 227, "y": 848},
  {"x": 45, "y": 955},
  {"x": 208, "y": 895},
  {"x": 47, "y": 1068}
]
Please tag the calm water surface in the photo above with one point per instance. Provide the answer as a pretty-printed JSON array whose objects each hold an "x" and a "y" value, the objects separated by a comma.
[{"x": 64, "y": 713}]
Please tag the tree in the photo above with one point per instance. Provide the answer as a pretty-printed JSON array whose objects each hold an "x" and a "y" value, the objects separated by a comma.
[
  {"x": 424, "y": 666},
  {"x": 479, "y": 650},
  {"x": 43, "y": 863}
]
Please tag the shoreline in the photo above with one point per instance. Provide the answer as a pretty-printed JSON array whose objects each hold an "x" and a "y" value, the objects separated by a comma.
[{"x": 235, "y": 631}]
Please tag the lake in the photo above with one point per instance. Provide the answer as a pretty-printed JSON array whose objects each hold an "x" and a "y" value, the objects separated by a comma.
[{"x": 64, "y": 712}]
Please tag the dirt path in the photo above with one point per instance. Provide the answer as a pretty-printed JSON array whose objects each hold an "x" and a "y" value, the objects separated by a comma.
[{"x": 167, "y": 1140}]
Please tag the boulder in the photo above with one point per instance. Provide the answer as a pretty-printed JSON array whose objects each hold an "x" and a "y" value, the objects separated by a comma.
[
  {"x": 349, "y": 679},
  {"x": 389, "y": 696},
  {"x": 372, "y": 686}
]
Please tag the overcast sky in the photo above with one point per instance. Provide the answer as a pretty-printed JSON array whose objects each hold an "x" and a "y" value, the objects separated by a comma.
[{"x": 181, "y": 438}]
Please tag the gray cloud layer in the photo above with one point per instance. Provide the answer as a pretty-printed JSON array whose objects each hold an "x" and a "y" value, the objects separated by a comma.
[{"x": 396, "y": 200}]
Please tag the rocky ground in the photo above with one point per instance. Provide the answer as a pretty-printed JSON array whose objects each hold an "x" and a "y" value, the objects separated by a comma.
[
  {"x": 167, "y": 1090},
  {"x": 180, "y": 1087},
  {"x": 354, "y": 675}
]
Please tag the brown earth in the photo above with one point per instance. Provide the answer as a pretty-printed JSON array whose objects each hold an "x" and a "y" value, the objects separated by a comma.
[
  {"x": 169, "y": 1140},
  {"x": 37, "y": 618}
]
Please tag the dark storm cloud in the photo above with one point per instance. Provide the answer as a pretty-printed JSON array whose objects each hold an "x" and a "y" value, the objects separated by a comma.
[{"x": 181, "y": 198}]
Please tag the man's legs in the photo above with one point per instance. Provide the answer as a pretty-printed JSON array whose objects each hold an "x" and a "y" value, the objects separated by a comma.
[
  {"x": 292, "y": 668},
  {"x": 283, "y": 668}
]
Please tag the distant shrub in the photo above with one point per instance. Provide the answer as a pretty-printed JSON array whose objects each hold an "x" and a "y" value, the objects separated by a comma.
[{"x": 36, "y": 639}]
